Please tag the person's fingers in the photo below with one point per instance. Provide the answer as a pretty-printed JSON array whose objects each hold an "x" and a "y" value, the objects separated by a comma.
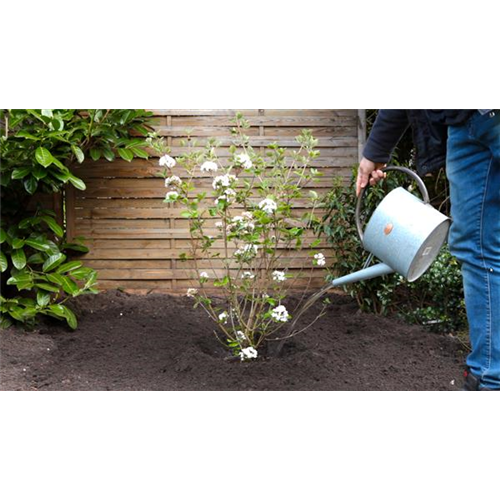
[
  {"x": 378, "y": 175},
  {"x": 361, "y": 182},
  {"x": 369, "y": 173}
]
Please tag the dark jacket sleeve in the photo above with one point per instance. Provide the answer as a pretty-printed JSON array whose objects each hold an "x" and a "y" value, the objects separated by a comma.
[{"x": 387, "y": 130}]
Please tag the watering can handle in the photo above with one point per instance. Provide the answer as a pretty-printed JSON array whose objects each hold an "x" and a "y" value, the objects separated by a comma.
[{"x": 421, "y": 186}]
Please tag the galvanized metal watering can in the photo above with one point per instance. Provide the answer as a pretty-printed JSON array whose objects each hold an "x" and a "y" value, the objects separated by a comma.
[{"x": 404, "y": 233}]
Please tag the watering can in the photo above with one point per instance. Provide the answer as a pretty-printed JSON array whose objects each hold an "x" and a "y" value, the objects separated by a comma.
[{"x": 404, "y": 233}]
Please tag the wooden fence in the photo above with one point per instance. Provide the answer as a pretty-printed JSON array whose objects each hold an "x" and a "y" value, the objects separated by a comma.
[{"x": 136, "y": 240}]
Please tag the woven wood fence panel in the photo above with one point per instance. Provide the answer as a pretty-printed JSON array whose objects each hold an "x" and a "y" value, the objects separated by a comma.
[{"x": 136, "y": 240}]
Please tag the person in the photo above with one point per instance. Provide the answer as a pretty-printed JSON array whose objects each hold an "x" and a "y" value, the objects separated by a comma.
[{"x": 467, "y": 144}]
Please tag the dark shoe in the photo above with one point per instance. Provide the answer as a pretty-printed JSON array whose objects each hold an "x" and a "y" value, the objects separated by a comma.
[{"x": 472, "y": 383}]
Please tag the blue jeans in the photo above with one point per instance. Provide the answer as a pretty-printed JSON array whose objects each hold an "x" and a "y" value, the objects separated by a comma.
[{"x": 473, "y": 170}]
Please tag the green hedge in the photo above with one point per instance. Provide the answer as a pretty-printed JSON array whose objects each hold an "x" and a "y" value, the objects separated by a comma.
[{"x": 39, "y": 149}]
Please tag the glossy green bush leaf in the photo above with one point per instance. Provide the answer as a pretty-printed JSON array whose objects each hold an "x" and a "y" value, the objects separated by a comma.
[
  {"x": 44, "y": 157},
  {"x": 54, "y": 226},
  {"x": 3, "y": 262},
  {"x": 3, "y": 235},
  {"x": 78, "y": 183},
  {"x": 69, "y": 266},
  {"x": 53, "y": 261},
  {"x": 42, "y": 298},
  {"x": 78, "y": 153},
  {"x": 31, "y": 185},
  {"x": 126, "y": 154},
  {"x": 37, "y": 245},
  {"x": 18, "y": 258},
  {"x": 20, "y": 172}
]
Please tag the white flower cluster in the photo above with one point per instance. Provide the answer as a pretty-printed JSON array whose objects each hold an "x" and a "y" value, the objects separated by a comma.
[
  {"x": 269, "y": 206},
  {"x": 280, "y": 314},
  {"x": 167, "y": 161},
  {"x": 229, "y": 196},
  {"x": 174, "y": 180},
  {"x": 320, "y": 260},
  {"x": 244, "y": 160},
  {"x": 240, "y": 336},
  {"x": 172, "y": 196},
  {"x": 204, "y": 275},
  {"x": 219, "y": 224},
  {"x": 209, "y": 166},
  {"x": 249, "y": 251},
  {"x": 191, "y": 292},
  {"x": 242, "y": 223},
  {"x": 223, "y": 317},
  {"x": 224, "y": 181},
  {"x": 248, "y": 353},
  {"x": 279, "y": 276},
  {"x": 247, "y": 275}
]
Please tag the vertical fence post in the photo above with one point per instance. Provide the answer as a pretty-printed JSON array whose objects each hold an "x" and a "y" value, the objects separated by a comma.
[
  {"x": 361, "y": 132},
  {"x": 57, "y": 203}
]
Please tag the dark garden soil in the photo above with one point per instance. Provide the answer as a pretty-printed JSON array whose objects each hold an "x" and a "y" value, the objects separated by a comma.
[{"x": 158, "y": 342}]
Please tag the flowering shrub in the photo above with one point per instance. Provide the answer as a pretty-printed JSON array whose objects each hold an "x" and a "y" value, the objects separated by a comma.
[{"x": 250, "y": 227}]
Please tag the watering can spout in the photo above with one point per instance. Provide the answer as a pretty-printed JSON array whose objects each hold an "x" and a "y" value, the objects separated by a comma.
[{"x": 365, "y": 274}]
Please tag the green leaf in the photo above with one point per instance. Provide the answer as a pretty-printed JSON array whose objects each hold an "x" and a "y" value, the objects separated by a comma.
[
  {"x": 126, "y": 154},
  {"x": 70, "y": 317},
  {"x": 42, "y": 298},
  {"x": 54, "y": 226},
  {"x": 78, "y": 183},
  {"x": 5, "y": 179},
  {"x": 58, "y": 164},
  {"x": 95, "y": 154},
  {"x": 62, "y": 311},
  {"x": 39, "y": 172},
  {"x": 18, "y": 258},
  {"x": 108, "y": 154},
  {"x": 92, "y": 280},
  {"x": 27, "y": 135},
  {"x": 78, "y": 153},
  {"x": 44, "y": 157},
  {"x": 76, "y": 247},
  {"x": 30, "y": 184},
  {"x": 82, "y": 273},
  {"x": 140, "y": 153},
  {"x": 67, "y": 284},
  {"x": 57, "y": 310},
  {"x": 3, "y": 235},
  {"x": 17, "y": 243},
  {"x": 17, "y": 313},
  {"x": 61, "y": 176},
  {"x": 53, "y": 261},
  {"x": 70, "y": 287},
  {"x": 36, "y": 258},
  {"x": 57, "y": 124},
  {"x": 69, "y": 266},
  {"x": 46, "y": 286},
  {"x": 3, "y": 262},
  {"x": 5, "y": 322},
  {"x": 20, "y": 172},
  {"x": 22, "y": 280},
  {"x": 37, "y": 245}
]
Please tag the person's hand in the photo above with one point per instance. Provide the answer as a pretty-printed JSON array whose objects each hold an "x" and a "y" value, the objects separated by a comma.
[{"x": 369, "y": 172}]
